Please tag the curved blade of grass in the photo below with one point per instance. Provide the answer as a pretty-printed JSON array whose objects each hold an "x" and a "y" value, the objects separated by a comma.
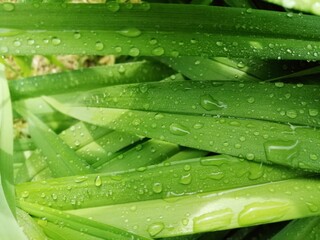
[
  {"x": 29, "y": 226},
  {"x": 239, "y": 207},
  {"x": 305, "y": 228},
  {"x": 61, "y": 159},
  {"x": 279, "y": 102},
  {"x": 197, "y": 68},
  {"x": 187, "y": 153},
  {"x": 148, "y": 153},
  {"x": 129, "y": 29},
  {"x": 77, "y": 223},
  {"x": 256, "y": 140},
  {"x": 85, "y": 79},
  {"x": 56, "y": 232},
  {"x": 167, "y": 180},
  {"x": 310, "y": 6},
  {"x": 8, "y": 227}
]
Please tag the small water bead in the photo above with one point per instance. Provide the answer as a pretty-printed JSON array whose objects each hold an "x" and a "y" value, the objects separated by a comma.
[
  {"x": 158, "y": 51},
  {"x": 279, "y": 84},
  {"x": 250, "y": 156},
  {"x": 118, "y": 49},
  {"x": 8, "y": 7},
  {"x": 271, "y": 45},
  {"x": 55, "y": 41},
  {"x": 77, "y": 35},
  {"x": 98, "y": 181},
  {"x": 241, "y": 65},
  {"x": 145, "y": 6},
  {"x": 153, "y": 41},
  {"x": 155, "y": 228},
  {"x": 313, "y": 112},
  {"x": 186, "y": 179},
  {"x": 130, "y": 32},
  {"x": 209, "y": 103},
  {"x": 178, "y": 129},
  {"x": 313, "y": 156},
  {"x": 251, "y": 100},
  {"x": 99, "y": 46},
  {"x": 30, "y": 41},
  {"x": 17, "y": 43},
  {"x": 280, "y": 151},
  {"x": 113, "y": 6},
  {"x": 157, "y": 188},
  {"x": 134, "y": 52},
  {"x": 291, "y": 113}
]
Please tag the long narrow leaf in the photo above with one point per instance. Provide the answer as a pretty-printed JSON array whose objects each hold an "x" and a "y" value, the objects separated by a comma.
[{"x": 147, "y": 30}]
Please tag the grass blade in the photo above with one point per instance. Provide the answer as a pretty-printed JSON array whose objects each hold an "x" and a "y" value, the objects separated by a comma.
[
  {"x": 305, "y": 228},
  {"x": 77, "y": 223},
  {"x": 278, "y": 102},
  {"x": 239, "y": 207},
  {"x": 85, "y": 79},
  {"x": 167, "y": 180},
  {"x": 255, "y": 140},
  {"x": 128, "y": 29},
  {"x": 61, "y": 160},
  {"x": 8, "y": 227}
]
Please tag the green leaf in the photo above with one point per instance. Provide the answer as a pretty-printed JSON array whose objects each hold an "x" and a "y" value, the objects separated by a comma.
[
  {"x": 77, "y": 223},
  {"x": 85, "y": 79},
  {"x": 238, "y": 207},
  {"x": 284, "y": 144},
  {"x": 167, "y": 180},
  {"x": 129, "y": 29},
  {"x": 8, "y": 225},
  {"x": 278, "y": 102}
]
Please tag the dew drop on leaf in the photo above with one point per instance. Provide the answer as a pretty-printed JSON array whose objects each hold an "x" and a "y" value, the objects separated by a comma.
[
  {"x": 157, "y": 187},
  {"x": 209, "y": 103},
  {"x": 113, "y": 6},
  {"x": 155, "y": 228},
  {"x": 178, "y": 129},
  {"x": 99, "y": 46},
  {"x": 130, "y": 32},
  {"x": 98, "y": 181},
  {"x": 158, "y": 51},
  {"x": 8, "y": 7},
  {"x": 280, "y": 151}
]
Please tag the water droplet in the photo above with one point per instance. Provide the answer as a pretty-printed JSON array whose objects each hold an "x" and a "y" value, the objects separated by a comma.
[
  {"x": 17, "y": 43},
  {"x": 130, "y": 32},
  {"x": 30, "y": 41},
  {"x": 25, "y": 194},
  {"x": 81, "y": 179},
  {"x": 55, "y": 41},
  {"x": 98, "y": 181},
  {"x": 313, "y": 156},
  {"x": 209, "y": 103},
  {"x": 198, "y": 125},
  {"x": 280, "y": 151},
  {"x": 134, "y": 52},
  {"x": 250, "y": 156},
  {"x": 153, "y": 41},
  {"x": 241, "y": 65},
  {"x": 187, "y": 167},
  {"x": 313, "y": 112},
  {"x": 213, "y": 220},
  {"x": 279, "y": 84},
  {"x": 186, "y": 179},
  {"x": 118, "y": 49},
  {"x": 145, "y": 6},
  {"x": 113, "y": 6},
  {"x": 271, "y": 45},
  {"x": 8, "y": 7},
  {"x": 99, "y": 46},
  {"x": 54, "y": 196},
  {"x": 155, "y": 228},
  {"x": 158, "y": 51},
  {"x": 157, "y": 187},
  {"x": 217, "y": 175},
  {"x": 262, "y": 212},
  {"x": 77, "y": 35},
  {"x": 178, "y": 129},
  {"x": 312, "y": 207},
  {"x": 251, "y": 100},
  {"x": 291, "y": 113},
  {"x": 220, "y": 44}
]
